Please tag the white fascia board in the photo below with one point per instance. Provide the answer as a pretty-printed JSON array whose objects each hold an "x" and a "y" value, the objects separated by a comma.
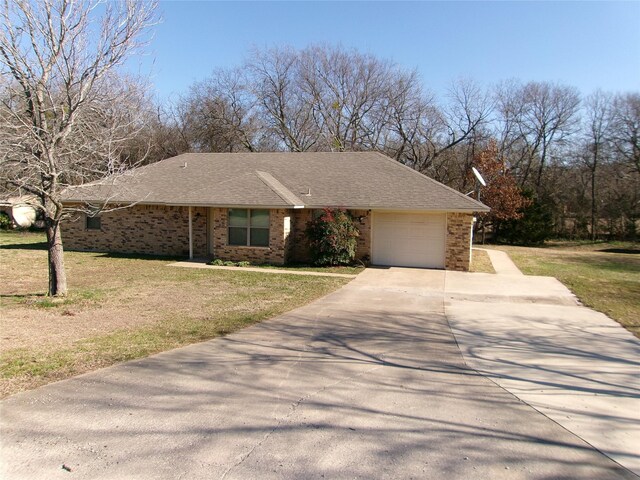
[
  {"x": 396, "y": 209},
  {"x": 421, "y": 210}
]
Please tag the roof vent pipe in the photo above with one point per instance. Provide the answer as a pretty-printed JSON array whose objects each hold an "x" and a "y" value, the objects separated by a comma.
[
  {"x": 185, "y": 165},
  {"x": 308, "y": 194}
]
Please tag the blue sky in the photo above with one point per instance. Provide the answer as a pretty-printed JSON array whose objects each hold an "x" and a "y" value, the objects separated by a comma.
[{"x": 585, "y": 44}]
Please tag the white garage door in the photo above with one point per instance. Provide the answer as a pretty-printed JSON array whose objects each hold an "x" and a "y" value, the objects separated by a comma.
[{"x": 409, "y": 239}]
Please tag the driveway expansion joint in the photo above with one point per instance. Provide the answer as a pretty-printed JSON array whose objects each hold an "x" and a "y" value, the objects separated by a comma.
[{"x": 491, "y": 378}]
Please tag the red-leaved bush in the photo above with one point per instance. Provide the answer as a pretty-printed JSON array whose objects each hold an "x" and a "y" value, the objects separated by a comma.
[{"x": 332, "y": 238}]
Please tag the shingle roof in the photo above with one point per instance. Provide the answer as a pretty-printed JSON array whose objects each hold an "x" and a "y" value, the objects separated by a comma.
[{"x": 352, "y": 180}]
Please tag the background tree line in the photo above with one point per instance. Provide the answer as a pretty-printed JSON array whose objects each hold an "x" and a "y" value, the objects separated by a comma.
[
  {"x": 577, "y": 158},
  {"x": 69, "y": 114}
]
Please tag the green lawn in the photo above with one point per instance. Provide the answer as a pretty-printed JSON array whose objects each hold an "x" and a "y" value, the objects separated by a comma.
[
  {"x": 604, "y": 276},
  {"x": 123, "y": 307}
]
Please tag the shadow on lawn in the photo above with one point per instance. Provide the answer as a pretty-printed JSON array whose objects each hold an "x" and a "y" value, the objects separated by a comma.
[
  {"x": 23, "y": 295},
  {"x": 134, "y": 256},
  {"x": 131, "y": 256},
  {"x": 629, "y": 251},
  {"x": 25, "y": 246}
]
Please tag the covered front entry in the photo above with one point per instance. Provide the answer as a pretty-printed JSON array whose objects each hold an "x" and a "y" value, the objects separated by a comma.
[{"x": 409, "y": 239}]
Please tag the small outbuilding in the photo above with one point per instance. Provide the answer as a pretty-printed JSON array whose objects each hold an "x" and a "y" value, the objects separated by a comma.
[{"x": 255, "y": 207}]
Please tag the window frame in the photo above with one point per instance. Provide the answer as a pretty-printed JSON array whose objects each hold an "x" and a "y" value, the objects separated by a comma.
[
  {"x": 90, "y": 223},
  {"x": 248, "y": 227}
]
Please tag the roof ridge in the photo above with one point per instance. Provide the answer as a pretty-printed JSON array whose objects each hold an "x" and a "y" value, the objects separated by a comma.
[
  {"x": 440, "y": 184},
  {"x": 279, "y": 189}
]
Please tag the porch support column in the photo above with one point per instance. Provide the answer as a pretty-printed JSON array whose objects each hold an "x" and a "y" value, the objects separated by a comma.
[{"x": 190, "y": 234}]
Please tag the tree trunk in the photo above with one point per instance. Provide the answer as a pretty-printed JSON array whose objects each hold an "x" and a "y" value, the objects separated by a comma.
[
  {"x": 594, "y": 219},
  {"x": 57, "y": 275},
  {"x": 594, "y": 205}
]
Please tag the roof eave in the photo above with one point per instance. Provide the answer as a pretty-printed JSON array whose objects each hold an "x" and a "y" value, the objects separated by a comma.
[
  {"x": 403, "y": 209},
  {"x": 395, "y": 208}
]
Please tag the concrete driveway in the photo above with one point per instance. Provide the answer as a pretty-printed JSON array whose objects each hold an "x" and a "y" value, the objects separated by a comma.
[
  {"x": 367, "y": 382},
  {"x": 577, "y": 366}
]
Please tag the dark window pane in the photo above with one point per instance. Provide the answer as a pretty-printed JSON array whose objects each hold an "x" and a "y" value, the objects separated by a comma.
[
  {"x": 237, "y": 236},
  {"x": 237, "y": 217},
  {"x": 93, "y": 223},
  {"x": 260, "y": 218},
  {"x": 260, "y": 237}
]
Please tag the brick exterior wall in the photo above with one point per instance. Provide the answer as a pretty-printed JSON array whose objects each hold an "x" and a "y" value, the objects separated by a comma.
[
  {"x": 162, "y": 230},
  {"x": 362, "y": 219},
  {"x": 300, "y": 245},
  {"x": 458, "y": 249},
  {"x": 141, "y": 229},
  {"x": 279, "y": 239}
]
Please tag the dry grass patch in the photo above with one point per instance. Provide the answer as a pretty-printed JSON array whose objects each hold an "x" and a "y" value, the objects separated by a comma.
[
  {"x": 481, "y": 263},
  {"x": 120, "y": 308},
  {"x": 604, "y": 276}
]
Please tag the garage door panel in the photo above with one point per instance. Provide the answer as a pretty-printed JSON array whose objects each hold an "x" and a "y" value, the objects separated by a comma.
[{"x": 412, "y": 240}]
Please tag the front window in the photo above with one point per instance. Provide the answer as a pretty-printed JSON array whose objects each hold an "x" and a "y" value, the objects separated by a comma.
[
  {"x": 93, "y": 223},
  {"x": 248, "y": 227}
]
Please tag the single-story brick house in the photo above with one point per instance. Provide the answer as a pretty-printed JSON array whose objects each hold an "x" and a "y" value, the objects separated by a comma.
[{"x": 255, "y": 206}]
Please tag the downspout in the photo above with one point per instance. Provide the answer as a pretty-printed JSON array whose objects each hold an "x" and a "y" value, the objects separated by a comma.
[
  {"x": 473, "y": 221},
  {"x": 190, "y": 235}
]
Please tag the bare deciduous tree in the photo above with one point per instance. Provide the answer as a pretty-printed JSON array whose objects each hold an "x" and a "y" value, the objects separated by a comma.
[
  {"x": 218, "y": 114},
  {"x": 276, "y": 79},
  {"x": 324, "y": 97},
  {"x": 597, "y": 132},
  {"x": 626, "y": 131},
  {"x": 537, "y": 118},
  {"x": 164, "y": 133},
  {"x": 348, "y": 91},
  {"x": 64, "y": 110},
  {"x": 440, "y": 140}
]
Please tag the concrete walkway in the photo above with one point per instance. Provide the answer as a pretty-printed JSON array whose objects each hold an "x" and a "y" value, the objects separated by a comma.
[
  {"x": 367, "y": 382},
  {"x": 502, "y": 264},
  {"x": 204, "y": 265},
  {"x": 575, "y": 365}
]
